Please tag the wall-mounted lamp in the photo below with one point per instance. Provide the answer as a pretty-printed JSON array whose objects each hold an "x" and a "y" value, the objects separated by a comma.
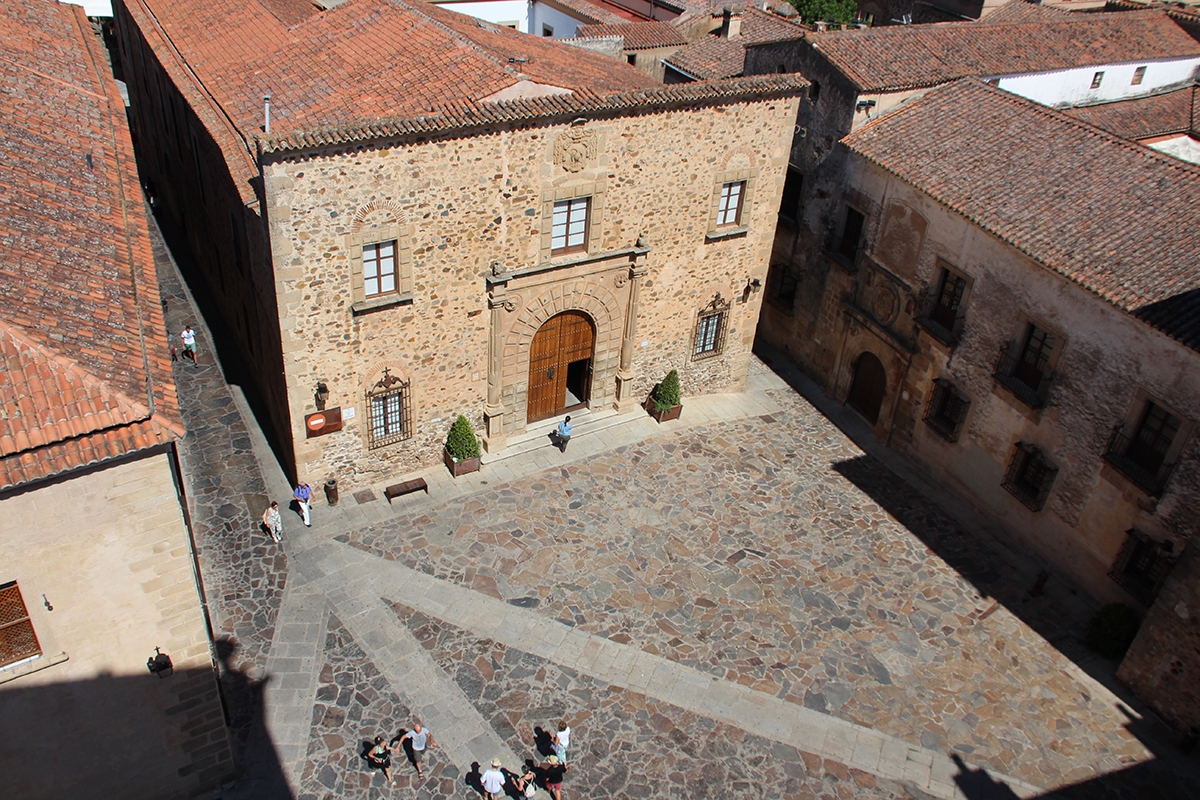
[
  {"x": 322, "y": 395},
  {"x": 160, "y": 664},
  {"x": 752, "y": 286},
  {"x": 865, "y": 106},
  {"x": 46, "y": 603}
]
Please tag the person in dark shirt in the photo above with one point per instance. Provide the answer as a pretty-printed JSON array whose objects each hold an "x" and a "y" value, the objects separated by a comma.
[{"x": 552, "y": 773}]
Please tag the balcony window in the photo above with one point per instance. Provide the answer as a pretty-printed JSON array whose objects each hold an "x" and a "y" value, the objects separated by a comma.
[
  {"x": 1142, "y": 565},
  {"x": 1141, "y": 452},
  {"x": 1027, "y": 371},
  {"x": 943, "y": 310}
]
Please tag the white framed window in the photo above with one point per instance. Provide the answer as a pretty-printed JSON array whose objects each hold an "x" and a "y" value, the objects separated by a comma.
[
  {"x": 569, "y": 229},
  {"x": 379, "y": 268},
  {"x": 729, "y": 207},
  {"x": 1096, "y": 80}
]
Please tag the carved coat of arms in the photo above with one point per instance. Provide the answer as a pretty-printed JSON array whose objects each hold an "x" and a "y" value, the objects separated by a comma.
[{"x": 574, "y": 148}]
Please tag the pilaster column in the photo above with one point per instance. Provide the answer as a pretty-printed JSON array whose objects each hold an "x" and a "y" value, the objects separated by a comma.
[
  {"x": 625, "y": 401},
  {"x": 493, "y": 410}
]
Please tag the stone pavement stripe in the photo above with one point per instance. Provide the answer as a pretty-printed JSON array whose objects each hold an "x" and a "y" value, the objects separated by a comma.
[
  {"x": 738, "y": 705},
  {"x": 462, "y": 735},
  {"x": 294, "y": 666}
]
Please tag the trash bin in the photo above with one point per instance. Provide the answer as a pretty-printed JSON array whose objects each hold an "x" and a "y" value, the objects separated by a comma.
[{"x": 331, "y": 493}]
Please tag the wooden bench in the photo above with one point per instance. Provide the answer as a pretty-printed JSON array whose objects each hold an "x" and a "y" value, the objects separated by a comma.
[{"x": 408, "y": 487}]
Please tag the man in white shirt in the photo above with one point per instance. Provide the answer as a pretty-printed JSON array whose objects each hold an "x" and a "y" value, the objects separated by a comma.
[
  {"x": 492, "y": 780},
  {"x": 420, "y": 739},
  {"x": 188, "y": 337}
]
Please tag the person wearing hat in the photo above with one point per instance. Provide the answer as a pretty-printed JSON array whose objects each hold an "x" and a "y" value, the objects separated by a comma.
[
  {"x": 493, "y": 780},
  {"x": 552, "y": 773}
]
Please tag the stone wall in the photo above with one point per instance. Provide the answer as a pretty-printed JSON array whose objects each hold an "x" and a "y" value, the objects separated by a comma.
[
  {"x": 109, "y": 552},
  {"x": 1109, "y": 361},
  {"x": 473, "y": 208},
  {"x": 1161, "y": 666}
]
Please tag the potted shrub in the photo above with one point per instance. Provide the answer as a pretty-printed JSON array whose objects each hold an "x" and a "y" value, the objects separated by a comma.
[
  {"x": 663, "y": 403},
  {"x": 462, "y": 448}
]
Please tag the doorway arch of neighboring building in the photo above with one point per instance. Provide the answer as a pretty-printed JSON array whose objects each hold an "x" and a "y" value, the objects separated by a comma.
[
  {"x": 560, "y": 365},
  {"x": 868, "y": 387}
]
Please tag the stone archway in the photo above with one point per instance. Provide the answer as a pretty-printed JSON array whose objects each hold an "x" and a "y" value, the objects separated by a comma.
[{"x": 868, "y": 387}]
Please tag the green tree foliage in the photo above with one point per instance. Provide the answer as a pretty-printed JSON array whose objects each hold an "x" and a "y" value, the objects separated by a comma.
[
  {"x": 461, "y": 443},
  {"x": 843, "y": 11},
  {"x": 666, "y": 396}
]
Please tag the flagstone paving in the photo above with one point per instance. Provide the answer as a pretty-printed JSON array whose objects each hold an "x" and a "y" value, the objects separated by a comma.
[{"x": 742, "y": 549}]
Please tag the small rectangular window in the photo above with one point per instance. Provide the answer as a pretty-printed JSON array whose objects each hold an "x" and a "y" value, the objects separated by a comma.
[
  {"x": 942, "y": 312},
  {"x": 379, "y": 268},
  {"x": 631, "y": 59},
  {"x": 547, "y": 31},
  {"x": 18, "y": 641},
  {"x": 814, "y": 92},
  {"x": 729, "y": 208},
  {"x": 845, "y": 246},
  {"x": 1030, "y": 476},
  {"x": 1141, "y": 452},
  {"x": 1139, "y": 75},
  {"x": 390, "y": 408},
  {"x": 1026, "y": 371},
  {"x": 1096, "y": 79},
  {"x": 569, "y": 229},
  {"x": 789, "y": 205},
  {"x": 1142, "y": 565},
  {"x": 710, "y": 329},
  {"x": 947, "y": 410}
]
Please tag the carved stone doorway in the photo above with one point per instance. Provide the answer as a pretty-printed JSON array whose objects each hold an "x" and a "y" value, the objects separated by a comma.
[
  {"x": 560, "y": 365},
  {"x": 868, "y": 388}
]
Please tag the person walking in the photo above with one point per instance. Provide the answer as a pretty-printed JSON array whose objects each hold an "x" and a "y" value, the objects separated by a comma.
[
  {"x": 303, "y": 495},
  {"x": 173, "y": 344},
  {"x": 561, "y": 741},
  {"x": 492, "y": 781},
  {"x": 273, "y": 521},
  {"x": 380, "y": 757},
  {"x": 564, "y": 434},
  {"x": 420, "y": 739},
  {"x": 553, "y": 772},
  {"x": 188, "y": 337}
]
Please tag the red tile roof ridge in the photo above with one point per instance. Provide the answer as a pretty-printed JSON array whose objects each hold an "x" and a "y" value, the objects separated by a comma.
[{"x": 532, "y": 109}]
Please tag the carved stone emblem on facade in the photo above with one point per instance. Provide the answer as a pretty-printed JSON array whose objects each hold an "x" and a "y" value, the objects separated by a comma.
[
  {"x": 886, "y": 304},
  {"x": 574, "y": 148},
  {"x": 620, "y": 279}
]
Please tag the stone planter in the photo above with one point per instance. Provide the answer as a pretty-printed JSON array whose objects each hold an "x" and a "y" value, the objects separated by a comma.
[
  {"x": 662, "y": 416},
  {"x": 459, "y": 467}
]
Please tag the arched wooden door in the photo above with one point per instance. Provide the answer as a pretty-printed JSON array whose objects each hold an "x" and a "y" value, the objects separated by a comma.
[
  {"x": 868, "y": 388},
  {"x": 560, "y": 365}
]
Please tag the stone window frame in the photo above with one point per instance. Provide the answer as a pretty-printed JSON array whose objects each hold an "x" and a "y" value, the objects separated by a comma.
[
  {"x": 593, "y": 190},
  {"x": 1142, "y": 565},
  {"x": 379, "y": 234},
  {"x": 387, "y": 387},
  {"x": 835, "y": 245},
  {"x": 717, "y": 311},
  {"x": 16, "y": 625},
  {"x": 1012, "y": 355},
  {"x": 931, "y": 301},
  {"x": 948, "y": 409},
  {"x": 1030, "y": 476},
  {"x": 792, "y": 200},
  {"x": 1127, "y": 431},
  {"x": 749, "y": 178}
]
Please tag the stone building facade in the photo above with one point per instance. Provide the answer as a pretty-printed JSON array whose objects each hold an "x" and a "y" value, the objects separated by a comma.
[
  {"x": 558, "y": 239},
  {"x": 1014, "y": 356}
]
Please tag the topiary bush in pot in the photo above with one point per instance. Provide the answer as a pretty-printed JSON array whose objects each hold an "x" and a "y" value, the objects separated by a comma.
[
  {"x": 665, "y": 402},
  {"x": 462, "y": 447}
]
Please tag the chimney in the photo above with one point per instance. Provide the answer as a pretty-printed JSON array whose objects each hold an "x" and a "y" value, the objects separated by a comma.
[
  {"x": 733, "y": 22},
  {"x": 267, "y": 114}
]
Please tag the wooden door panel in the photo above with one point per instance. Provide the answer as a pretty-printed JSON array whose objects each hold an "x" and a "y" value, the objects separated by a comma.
[{"x": 562, "y": 339}]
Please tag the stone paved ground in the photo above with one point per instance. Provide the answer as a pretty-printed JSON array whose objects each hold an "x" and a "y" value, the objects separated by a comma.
[
  {"x": 623, "y": 743},
  {"x": 743, "y": 549}
]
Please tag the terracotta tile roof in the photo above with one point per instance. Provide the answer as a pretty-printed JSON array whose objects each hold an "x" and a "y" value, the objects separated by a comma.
[
  {"x": 595, "y": 12},
  {"x": 1111, "y": 215},
  {"x": 83, "y": 373},
  {"x": 637, "y": 35},
  {"x": 1023, "y": 11},
  {"x": 1138, "y": 118},
  {"x": 898, "y": 57},
  {"x": 718, "y": 57}
]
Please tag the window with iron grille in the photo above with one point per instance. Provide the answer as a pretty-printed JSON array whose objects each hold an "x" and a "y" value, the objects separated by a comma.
[
  {"x": 947, "y": 412},
  {"x": 729, "y": 207},
  {"x": 942, "y": 312},
  {"x": 569, "y": 229},
  {"x": 18, "y": 641},
  {"x": 710, "y": 329},
  {"x": 1142, "y": 456},
  {"x": 379, "y": 268},
  {"x": 390, "y": 411},
  {"x": 1142, "y": 565},
  {"x": 1027, "y": 372},
  {"x": 1030, "y": 476}
]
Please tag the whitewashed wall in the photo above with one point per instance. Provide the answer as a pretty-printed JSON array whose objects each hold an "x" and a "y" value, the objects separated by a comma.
[
  {"x": 1072, "y": 86},
  {"x": 564, "y": 25},
  {"x": 500, "y": 12}
]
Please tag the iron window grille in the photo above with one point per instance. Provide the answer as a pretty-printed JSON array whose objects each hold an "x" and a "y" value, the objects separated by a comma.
[
  {"x": 1030, "y": 476},
  {"x": 729, "y": 207},
  {"x": 1142, "y": 456},
  {"x": 569, "y": 228},
  {"x": 947, "y": 412},
  {"x": 379, "y": 268},
  {"x": 1142, "y": 566},
  {"x": 390, "y": 411},
  {"x": 942, "y": 313},
  {"x": 18, "y": 641},
  {"x": 1027, "y": 374},
  {"x": 710, "y": 329},
  {"x": 844, "y": 249}
]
